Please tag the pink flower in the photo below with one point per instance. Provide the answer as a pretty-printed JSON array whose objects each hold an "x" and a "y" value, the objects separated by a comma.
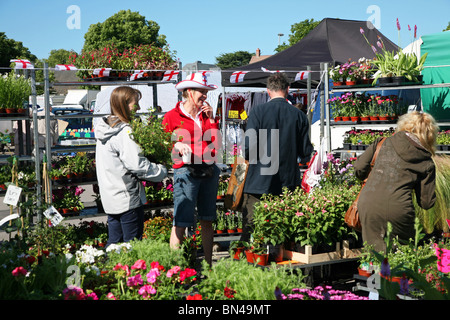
[
  {"x": 299, "y": 214},
  {"x": 19, "y": 271},
  {"x": 123, "y": 267},
  {"x": 139, "y": 264},
  {"x": 92, "y": 296},
  {"x": 443, "y": 255},
  {"x": 172, "y": 271},
  {"x": 145, "y": 290},
  {"x": 152, "y": 275},
  {"x": 135, "y": 281},
  {"x": 110, "y": 296},
  {"x": 73, "y": 293},
  {"x": 398, "y": 25}
]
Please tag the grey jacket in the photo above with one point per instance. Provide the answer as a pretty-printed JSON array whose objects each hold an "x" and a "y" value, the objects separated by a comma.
[{"x": 120, "y": 166}]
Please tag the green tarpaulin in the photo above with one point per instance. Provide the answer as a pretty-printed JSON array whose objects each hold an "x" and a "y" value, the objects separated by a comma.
[{"x": 437, "y": 70}]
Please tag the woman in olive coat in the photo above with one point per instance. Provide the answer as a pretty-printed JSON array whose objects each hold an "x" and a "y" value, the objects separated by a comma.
[{"x": 404, "y": 164}]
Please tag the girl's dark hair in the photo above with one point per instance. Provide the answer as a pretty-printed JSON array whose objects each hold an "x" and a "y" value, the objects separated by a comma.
[{"x": 120, "y": 99}]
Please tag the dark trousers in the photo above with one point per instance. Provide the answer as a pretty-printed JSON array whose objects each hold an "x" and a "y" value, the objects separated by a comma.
[
  {"x": 247, "y": 214},
  {"x": 125, "y": 226}
]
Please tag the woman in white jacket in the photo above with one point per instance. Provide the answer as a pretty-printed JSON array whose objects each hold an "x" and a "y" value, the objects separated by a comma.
[{"x": 120, "y": 168}]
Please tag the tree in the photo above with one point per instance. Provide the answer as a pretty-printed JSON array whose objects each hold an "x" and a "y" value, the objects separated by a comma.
[
  {"x": 298, "y": 31},
  {"x": 448, "y": 27},
  {"x": 124, "y": 29},
  {"x": 233, "y": 60},
  {"x": 11, "y": 49},
  {"x": 60, "y": 56}
]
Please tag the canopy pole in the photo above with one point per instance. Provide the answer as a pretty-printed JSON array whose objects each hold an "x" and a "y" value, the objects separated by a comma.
[
  {"x": 322, "y": 105},
  {"x": 308, "y": 98},
  {"x": 327, "y": 106}
]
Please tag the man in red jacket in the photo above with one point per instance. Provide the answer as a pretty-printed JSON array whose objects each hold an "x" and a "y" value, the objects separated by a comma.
[{"x": 196, "y": 176}]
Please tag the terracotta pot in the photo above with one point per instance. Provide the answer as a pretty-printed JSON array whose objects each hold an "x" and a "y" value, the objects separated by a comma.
[
  {"x": 365, "y": 118},
  {"x": 364, "y": 273},
  {"x": 231, "y": 230},
  {"x": 373, "y": 118},
  {"x": 338, "y": 83},
  {"x": 220, "y": 231},
  {"x": 350, "y": 83},
  {"x": 384, "y": 118},
  {"x": 249, "y": 255},
  {"x": 336, "y": 119},
  {"x": 237, "y": 253},
  {"x": 65, "y": 210},
  {"x": 239, "y": 230},
  {"x": 354, "y": 119},
  {"x": 261, "y": 259},
  {"x": 345, "y": 118}
]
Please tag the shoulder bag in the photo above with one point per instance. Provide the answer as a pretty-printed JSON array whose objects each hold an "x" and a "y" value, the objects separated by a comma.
[
  {"x": 352, "y": 214},
  {"x": 234, "y": 195}
]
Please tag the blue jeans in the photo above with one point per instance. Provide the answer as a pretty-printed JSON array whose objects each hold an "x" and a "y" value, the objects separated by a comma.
[
  {"x": 189, "y": 192},
  {"x": 125, "y": 226}
]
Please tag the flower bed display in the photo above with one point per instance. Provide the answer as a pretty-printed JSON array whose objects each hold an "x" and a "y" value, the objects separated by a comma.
[
  {"x": 367, "y": 108},
  {"x": 360, "y": 139}
]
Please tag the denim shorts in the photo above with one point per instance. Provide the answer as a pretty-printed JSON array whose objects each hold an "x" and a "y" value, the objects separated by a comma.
[{"x": 189, "y": 193}]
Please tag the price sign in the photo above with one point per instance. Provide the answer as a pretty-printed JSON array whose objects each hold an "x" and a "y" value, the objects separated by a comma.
[
  {"x": 12, "y": 195},
  {"x": 244, "y": 115},
  {"x": 53, "y": 215},
  {"x": 233, "y": 114}
]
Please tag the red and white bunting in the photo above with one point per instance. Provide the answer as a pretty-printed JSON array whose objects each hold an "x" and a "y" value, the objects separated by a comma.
[
  {"x": 238, "y": 76},
  {"x": 137, "y": 74},
  {"x": 302, "y": 75},
  {"x": 267, "y": 70},
  {"x": 65, "y": 67},
  {"x": 102, "y": 72},
  {"x": 170, "y": 75},
  {"x": 22, "y": 64}
]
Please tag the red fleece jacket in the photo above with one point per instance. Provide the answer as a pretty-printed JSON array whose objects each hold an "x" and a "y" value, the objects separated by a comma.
[{"x": 204, "y": 142}]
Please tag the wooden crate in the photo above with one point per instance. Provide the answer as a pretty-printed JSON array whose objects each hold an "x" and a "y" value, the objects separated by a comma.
[{"x": 308, "y": 257}]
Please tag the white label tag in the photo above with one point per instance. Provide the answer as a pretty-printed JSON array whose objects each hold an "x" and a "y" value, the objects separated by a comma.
[
  {"x": 53, "y": 215},
  {"x": 12, "y": 195}
]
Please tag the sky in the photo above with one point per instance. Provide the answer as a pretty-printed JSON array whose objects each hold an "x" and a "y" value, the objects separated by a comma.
[{"x": 199, "y": 30}]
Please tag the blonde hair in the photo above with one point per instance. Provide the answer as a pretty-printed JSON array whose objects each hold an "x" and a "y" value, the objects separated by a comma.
[
  {"x": 422, "y": 125},
  {"x": 121, "y": 97}
]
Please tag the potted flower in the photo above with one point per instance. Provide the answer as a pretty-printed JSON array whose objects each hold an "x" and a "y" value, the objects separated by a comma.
[
  {"x": 221, "y": 222},
  {"x": 150, "y": 135},
  {"x": 335, "y": 75},
  {"x": 231, "y": 221},
  {"x": 237, "y": 248}
]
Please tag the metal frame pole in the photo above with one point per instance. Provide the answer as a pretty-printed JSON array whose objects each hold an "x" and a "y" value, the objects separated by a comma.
[{"x": 37, "y": 166}]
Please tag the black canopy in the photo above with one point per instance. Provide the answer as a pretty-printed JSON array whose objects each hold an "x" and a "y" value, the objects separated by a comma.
[{"x": 334, "y": 41}]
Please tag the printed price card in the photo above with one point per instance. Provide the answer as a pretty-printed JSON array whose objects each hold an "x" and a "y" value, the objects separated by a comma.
[
  {"x": 233, "y": 114},
  {"x": 12, "y": 195},
  {"x": 53, "y": 215}
]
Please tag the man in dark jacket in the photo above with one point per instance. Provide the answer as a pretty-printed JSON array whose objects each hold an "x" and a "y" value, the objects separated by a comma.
[{"x": 276, "y": 135}]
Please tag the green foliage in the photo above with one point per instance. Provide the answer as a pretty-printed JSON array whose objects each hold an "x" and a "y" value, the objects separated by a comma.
[
  {"x": 149, "y": 250},
  {"x": 158, "y": 228},
  {"x": 14, "y": 91},
  {"x": 435, "y": 217},
  {"x": 233, "y": 60},
  {"x": 11, "y": 49},
  {"x": 250, "y": 282},
  {"x": 124, "y": 29},
  {"x": 149, "y": 133}
]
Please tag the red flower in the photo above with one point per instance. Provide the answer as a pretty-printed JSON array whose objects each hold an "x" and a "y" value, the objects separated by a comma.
[
  {"x": 196, "y": 296},
  {"x": 229, "y": 292}
]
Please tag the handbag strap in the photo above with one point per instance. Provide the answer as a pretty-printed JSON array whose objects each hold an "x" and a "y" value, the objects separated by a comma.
[{"x": 372, "y": 163}]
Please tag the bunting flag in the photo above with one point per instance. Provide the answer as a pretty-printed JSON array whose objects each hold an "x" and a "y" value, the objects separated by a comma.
[
  {"x": 170, "y": 75},
  {"x": 137, "y": 74},
  {"x": 64, "y": 67},
  {"x": 22, "y": 64},
  {"x": 102, "y": 72},
  {"x": 238, "y": 76},
  {"x": 302, "y": 75},
  {"x": 266, "y": 70}
]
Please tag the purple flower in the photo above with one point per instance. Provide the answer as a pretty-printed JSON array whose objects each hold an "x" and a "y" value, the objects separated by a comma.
[
  {"x": 385, "y": 268},
  {"x": 404, "y": 285},
  {"x": 135, "y": 281},
  {"x": 361, "y": 30},
  {"x": 398, "y": 25}
]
